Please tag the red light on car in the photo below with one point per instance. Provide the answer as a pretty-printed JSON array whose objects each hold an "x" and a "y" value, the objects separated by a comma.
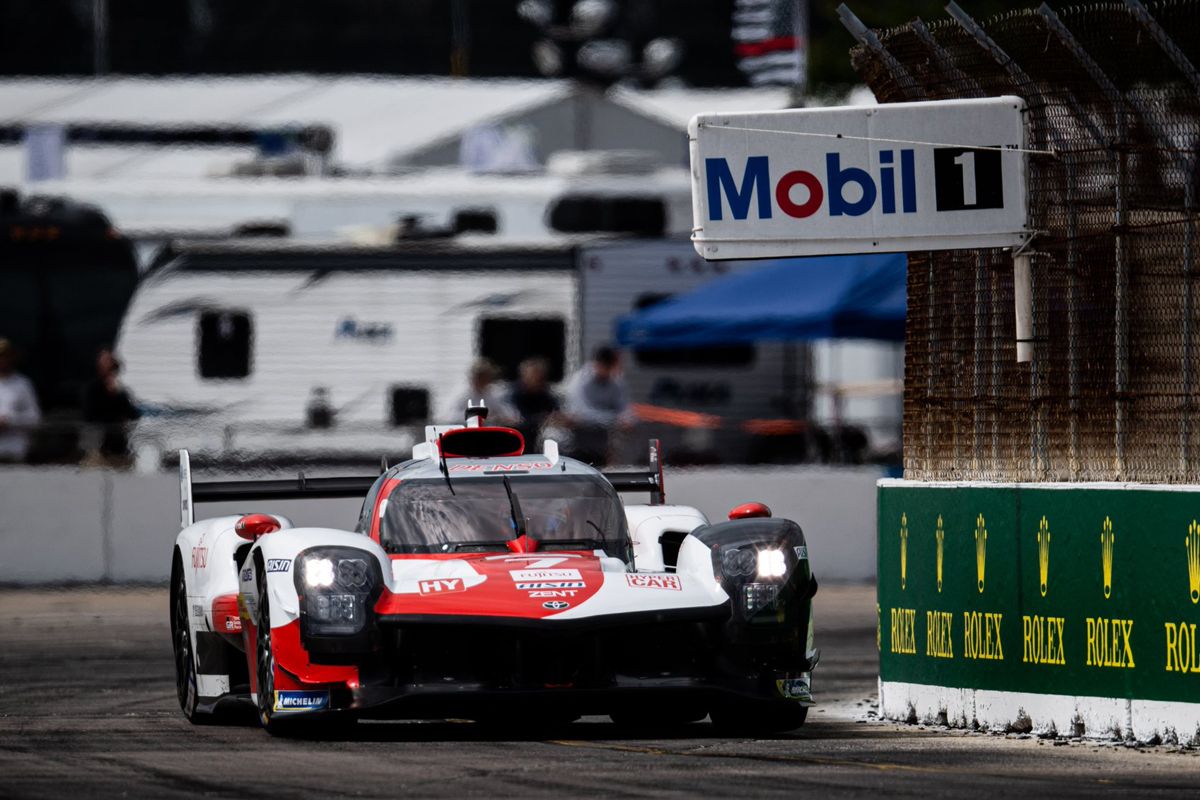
[
  {"x": 750, "y": 511},
  {"x": 252, "y": 526}
]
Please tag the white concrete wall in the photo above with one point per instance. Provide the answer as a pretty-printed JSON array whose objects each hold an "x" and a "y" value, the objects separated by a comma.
[
  {"x": 61, "y": 524},
  {"x": 835, "y": 508}
]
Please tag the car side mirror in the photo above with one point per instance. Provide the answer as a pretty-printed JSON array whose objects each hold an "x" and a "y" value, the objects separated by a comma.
[
  {"x": 750, "y": 511},
  {"x": 252, "y": 526}
]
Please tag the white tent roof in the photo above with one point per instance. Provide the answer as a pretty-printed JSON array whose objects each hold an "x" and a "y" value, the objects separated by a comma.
[
  {"x": 375, "y": 119},
  {"x": 678, "y": 106},
  {"x": 372, "y": 118}
]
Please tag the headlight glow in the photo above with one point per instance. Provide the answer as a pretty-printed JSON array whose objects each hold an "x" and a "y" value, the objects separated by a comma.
[
  {"x": 771, "y": 563},
  {"x": 318, "y": 572}
]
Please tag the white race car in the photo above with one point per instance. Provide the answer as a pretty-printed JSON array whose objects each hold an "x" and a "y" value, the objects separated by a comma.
[{"x": 485, "y": 583}]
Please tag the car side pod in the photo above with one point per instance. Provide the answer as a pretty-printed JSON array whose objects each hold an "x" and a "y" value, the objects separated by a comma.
[
  {"x": 749, "y": 511},
  {"x": 252, "y": 526}
]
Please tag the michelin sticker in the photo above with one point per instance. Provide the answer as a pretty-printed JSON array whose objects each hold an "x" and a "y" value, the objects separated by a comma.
[
  {"x": 301, "y": 701},
  {"x": 795, "y": 689}
]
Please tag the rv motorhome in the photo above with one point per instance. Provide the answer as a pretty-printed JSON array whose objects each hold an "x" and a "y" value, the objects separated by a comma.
[
  {"x": 344, "y": 353},
  {"x": 66, "y": 276},
  {"x": 578, "y": 193}
]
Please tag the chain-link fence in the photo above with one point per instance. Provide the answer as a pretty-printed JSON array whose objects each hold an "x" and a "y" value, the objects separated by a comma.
[{"x": 1111, "y": 391}]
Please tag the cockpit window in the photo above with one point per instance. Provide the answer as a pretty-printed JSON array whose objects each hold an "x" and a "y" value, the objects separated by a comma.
[{"x": 560, "y": 512}]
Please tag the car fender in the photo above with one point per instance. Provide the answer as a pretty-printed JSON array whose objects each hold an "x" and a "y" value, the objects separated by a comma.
[
  {"x": 647, "y": 525},
  {"x": 206, "y": 551},
  {"x": 695, "y": 559}
]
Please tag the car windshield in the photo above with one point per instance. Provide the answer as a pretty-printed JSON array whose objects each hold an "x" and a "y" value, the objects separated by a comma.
[{"x": 561, "y": 512}]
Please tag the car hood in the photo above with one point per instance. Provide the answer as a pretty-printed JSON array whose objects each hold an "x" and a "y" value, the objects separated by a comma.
[{"x": 559, "y": 585}]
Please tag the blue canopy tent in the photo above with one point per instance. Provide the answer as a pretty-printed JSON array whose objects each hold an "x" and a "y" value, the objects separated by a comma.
[{"x": 828, "y": 297}]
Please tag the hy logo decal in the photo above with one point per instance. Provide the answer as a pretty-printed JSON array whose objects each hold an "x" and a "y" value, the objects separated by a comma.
[
  {"x": 1193, "y": 560},
  {"x": 980, "y": 551},
  {"x": 940, "y": 535},
  {"x": 1043, "y": 540},
  {"x": 441, "y": 586},
  {"x": 903, "y": 551},
  {"x": 1107, "y": 539}
]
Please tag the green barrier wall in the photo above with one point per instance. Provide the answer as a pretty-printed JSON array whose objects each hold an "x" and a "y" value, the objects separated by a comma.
[{"x": 1068, "y": 591}]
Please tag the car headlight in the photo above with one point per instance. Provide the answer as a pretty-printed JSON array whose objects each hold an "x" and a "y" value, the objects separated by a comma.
[
  {"x": 762, "y": 564},
  {"x": 772, "y": 563},
  {"x": 318, "y": 572},
  {"x": 336, "y": 586},
  {"x": 759, "y": 596},
  {"x": 751, "y": 561},
  {"x": 738, "y": 561}
]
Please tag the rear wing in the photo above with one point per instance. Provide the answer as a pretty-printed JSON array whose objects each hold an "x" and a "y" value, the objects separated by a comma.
[
  {"x": 648, "y": 480},
  {"x": 299, "y": 487},
  {"x": 643, "y": 480}
]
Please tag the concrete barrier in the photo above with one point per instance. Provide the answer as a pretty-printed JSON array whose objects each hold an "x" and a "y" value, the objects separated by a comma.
[
  {"x": 833, "y": 506},
  {"x": 1068, "y": 608},
  {"x": 61, "y": 524},
  {"x": 52, "y": 525}
]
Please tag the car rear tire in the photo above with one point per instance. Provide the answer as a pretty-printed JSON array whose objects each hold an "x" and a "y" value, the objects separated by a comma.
[
  {"x": 757, "y": 718},
  {"x": 186, "y": 688}
]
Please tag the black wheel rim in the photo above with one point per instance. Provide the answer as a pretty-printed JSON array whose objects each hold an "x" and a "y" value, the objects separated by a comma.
[
  {"x": 184, "y": 675},
  {"x": 266, "y": 659}
]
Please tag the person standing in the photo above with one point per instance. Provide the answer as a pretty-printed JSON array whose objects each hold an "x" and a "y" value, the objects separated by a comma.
[
  {"x": 596, "y": 405},
  {"x": 532, "y": 399},
  {"x": 107, "y": 405},
  {"x": 481, "y": 385},
  {"x": 19, "y": 411}
]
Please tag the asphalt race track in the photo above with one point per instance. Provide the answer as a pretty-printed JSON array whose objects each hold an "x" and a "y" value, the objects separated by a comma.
[{"x": 88, "y": 709}]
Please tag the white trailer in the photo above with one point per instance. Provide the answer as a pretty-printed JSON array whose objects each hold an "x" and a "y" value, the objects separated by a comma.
[
  {"x": 335, "y": 352},
  {"x": 578, "y": 193},
  {"x": 720, "y": 388},
  {"x": 291, "y": 351},
  {"x": 749, "y": 392}
]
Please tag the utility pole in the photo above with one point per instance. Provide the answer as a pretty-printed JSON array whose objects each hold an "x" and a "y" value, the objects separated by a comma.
[
  {"x": 100, "y": 37},
  {"x": 460, "y": 38}
]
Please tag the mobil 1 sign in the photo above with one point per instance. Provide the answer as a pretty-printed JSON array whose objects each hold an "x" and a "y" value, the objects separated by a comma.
[{"x": 900, "y": 177}]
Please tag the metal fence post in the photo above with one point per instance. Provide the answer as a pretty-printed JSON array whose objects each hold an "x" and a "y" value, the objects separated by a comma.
[
  {"x": 1185, "y": 66},
  {"x": 867, "y": 38},
  {"x": 1121, "y": 233},
  {"x": 981, "y": 312}
]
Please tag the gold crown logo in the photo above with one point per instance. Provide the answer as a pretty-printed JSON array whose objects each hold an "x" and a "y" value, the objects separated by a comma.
[
  {"x": 903, "y": 550},
  {"x": 1043, "y": 540},
  {"x": 980, "y": 550},
  {"x": 1193, "y": 558},
  {"x": 941, "y": 537},
  {"x": 1107, "y": 538}
]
